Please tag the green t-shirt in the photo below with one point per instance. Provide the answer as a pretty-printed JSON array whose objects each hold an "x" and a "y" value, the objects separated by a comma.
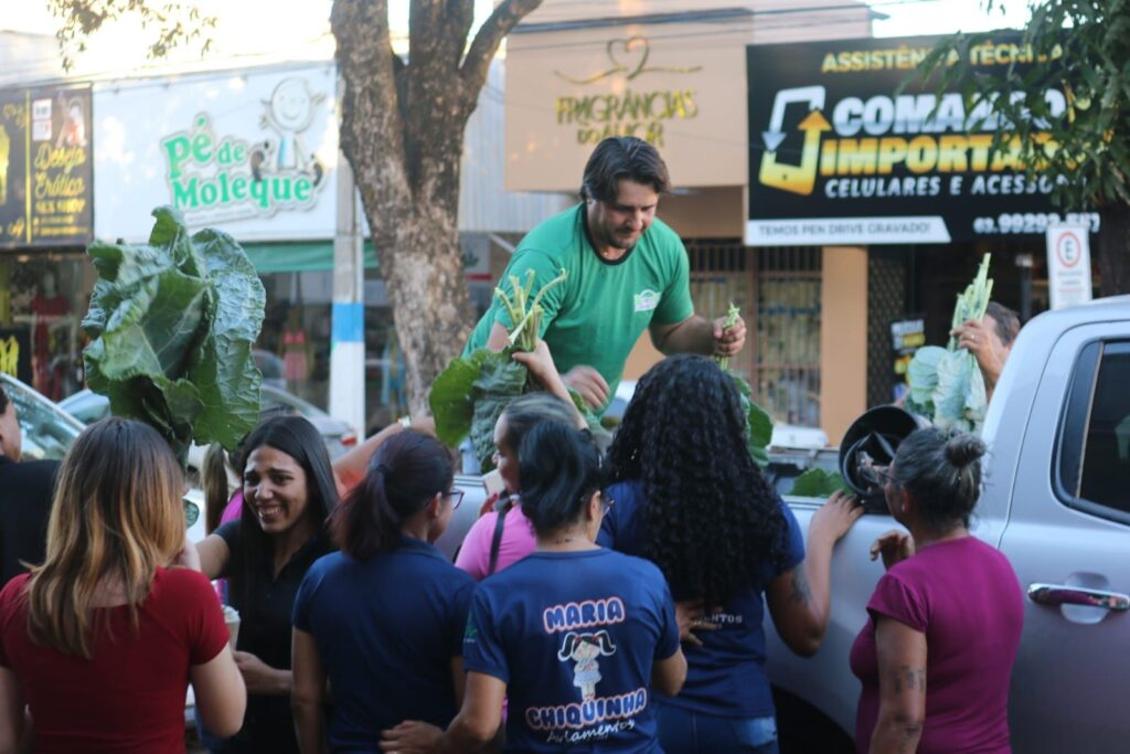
[{"x": 596, "y": 316}]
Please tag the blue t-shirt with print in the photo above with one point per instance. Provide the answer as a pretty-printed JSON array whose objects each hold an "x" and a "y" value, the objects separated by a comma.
[
  {"x": 386, "y": 630},
  {"x": 725, "y": 676},
  {"x": 574, "y": 636}
]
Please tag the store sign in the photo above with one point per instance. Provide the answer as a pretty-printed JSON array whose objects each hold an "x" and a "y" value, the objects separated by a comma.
[
  {"x": 214, "y": 178},
  {"x": 566, "y": 91},
  {"x": 839, "y": 153},
  {"x": 1069, "y": 265},
  {"x": 45, "y": 167},
  {"x": 251, "y": 154}
]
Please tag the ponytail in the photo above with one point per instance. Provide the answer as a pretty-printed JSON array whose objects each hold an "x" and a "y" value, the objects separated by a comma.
[{"x": 404, "y": 475}]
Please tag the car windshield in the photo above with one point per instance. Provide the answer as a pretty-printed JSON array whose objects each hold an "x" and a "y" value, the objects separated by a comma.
[{"x": 47, "y": 432}]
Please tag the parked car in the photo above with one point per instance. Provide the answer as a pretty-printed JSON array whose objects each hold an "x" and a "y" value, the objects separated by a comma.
[
  {"x": 88, "y": 406},
  {"x": 48, "y": 431}
]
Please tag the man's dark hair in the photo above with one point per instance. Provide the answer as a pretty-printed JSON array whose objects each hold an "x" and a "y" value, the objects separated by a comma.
[
  {"x": 3, "y": 400},
  {"x": 1005, "y": 322},
  {"x": 619, "y": 157}
]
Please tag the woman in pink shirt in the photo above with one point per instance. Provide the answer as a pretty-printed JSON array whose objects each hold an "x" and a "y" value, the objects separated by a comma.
[
  {"x": 492, "y": 545},
  {"x": 936, "y": 655}
]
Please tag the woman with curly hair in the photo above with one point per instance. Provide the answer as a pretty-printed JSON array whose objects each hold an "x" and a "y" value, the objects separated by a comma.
[{"x": 690, "y": 498}]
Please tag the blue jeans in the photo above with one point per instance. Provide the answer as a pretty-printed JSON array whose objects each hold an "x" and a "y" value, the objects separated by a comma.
[{"x": 682, "y": 731}]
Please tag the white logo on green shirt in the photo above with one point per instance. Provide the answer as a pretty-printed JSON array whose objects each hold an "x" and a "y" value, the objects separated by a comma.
[{"x": 646, "y": 300}]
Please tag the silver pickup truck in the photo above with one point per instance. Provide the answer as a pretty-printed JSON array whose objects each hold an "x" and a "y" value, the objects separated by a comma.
[{"x": 1056, "y": 502}]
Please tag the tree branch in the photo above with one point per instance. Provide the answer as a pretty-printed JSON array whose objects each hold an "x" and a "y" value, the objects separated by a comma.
[{"x": 476, "y": 64}]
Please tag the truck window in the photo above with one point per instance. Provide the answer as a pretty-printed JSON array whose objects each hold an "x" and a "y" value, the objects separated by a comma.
[{"x": 1105, "y": 477}]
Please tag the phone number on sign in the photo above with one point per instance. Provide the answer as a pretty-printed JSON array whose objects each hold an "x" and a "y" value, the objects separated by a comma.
[{"x": 1032, "y": 222}]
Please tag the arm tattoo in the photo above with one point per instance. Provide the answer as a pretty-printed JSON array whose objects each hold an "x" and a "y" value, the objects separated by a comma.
[
  {"x": 911, "y": 679},
  {"x": 801, "y": 592}
]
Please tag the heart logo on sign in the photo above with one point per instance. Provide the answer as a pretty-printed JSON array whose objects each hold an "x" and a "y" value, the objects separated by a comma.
[{"x": 628, "y": 57}]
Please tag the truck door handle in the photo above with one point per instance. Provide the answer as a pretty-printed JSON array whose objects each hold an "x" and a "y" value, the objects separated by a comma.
[{"x": 1062, "y": 594}]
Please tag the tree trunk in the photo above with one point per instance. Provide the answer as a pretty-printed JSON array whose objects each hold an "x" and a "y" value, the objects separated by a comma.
[
  {"x": 428, "y": 297},
  {"x": 1113, "y": 256},
  {"x": 402, "y": 128}
]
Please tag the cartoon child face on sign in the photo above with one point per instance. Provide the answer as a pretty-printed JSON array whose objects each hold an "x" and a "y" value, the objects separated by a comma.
[
  {"x": 583, "y": 650},
  {"x": 290, "y": 111},
  {"x": 292, "y": 105}
]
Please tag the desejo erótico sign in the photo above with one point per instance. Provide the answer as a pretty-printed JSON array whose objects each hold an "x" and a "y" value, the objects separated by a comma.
[
  {"x": 839, "y": 154},
  {"x": 215, "y": 177}
]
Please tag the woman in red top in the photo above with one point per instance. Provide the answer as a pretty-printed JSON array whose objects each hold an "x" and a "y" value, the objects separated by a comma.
[{"x": 101, "y": 641}]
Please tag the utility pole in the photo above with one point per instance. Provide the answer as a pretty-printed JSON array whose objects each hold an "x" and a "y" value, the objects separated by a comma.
[{"x": 347, "y": 340}]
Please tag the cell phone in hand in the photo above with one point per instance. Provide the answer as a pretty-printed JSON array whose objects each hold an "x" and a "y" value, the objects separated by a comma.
[{"x": 492, "y": 483}]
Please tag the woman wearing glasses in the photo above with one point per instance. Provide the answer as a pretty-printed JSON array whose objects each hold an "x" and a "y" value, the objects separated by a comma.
[{"x": 383, "y": 619}]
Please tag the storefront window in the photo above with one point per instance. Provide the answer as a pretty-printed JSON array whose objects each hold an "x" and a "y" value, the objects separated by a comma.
[
  {"x": 43, "y": 298},
  {"x": 293, "y": 350}
]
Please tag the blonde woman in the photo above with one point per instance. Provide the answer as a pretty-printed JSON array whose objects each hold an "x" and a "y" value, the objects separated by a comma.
[{"x": 100, "y": 642}]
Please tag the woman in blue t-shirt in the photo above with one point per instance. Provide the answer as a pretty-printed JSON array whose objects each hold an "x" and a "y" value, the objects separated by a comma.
[
  {"x": 575, "y": 635},
  {"x": 383, "y": 619},
  {"x": 690, "y": 498}
]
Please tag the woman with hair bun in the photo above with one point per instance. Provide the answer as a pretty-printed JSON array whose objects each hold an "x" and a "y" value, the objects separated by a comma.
[
  {"x": 577, "y": 637},
  {"x": 936, "y": 655},
  {"x": 383, "y": 619}
]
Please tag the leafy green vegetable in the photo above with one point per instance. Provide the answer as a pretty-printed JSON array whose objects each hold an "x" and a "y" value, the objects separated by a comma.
[
  {"x": 732, "y": 315},
  {"x": 759, "y": 424},
  {"x": 946, "y": 385},
  {"x": 817, "y": 482},
  {"x": 526, "y": 319},
  {"x": 467, "y": 398},
  {"x": 172, "y": 324}
]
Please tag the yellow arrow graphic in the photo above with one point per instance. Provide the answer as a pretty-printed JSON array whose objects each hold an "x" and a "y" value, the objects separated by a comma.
[{"x": 797, "y": 179}]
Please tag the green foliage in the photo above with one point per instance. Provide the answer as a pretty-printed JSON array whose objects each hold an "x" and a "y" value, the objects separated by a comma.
[
  {"x": 946, "y": 385},
  {"x": 1081, "y": 48},
  {"x": 172, "y": 324},
  {"x": 174, "y": 24},
  {"x": 758, "y": 423},
  {"x": 467, "y": 398},
  {"x": 817, "y": 482},
  {"x": 524, "y": 312},
  {"x": 732, "y": 315}
]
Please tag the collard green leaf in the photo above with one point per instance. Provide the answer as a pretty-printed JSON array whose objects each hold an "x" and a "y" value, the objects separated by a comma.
[
  {"x": 222, "y": 368},
  {"x": 450, "y": 400},
  {"x": 817, "y": 482},
  {"x": 172, "y": 324},
  {"x": 953, "y": 384},
  {"x": 759, "y": 425},
  {"x": 500, "y": 380}
]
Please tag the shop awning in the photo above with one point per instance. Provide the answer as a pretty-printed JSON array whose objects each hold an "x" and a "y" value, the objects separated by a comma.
[{"x": 305, "y": 256}]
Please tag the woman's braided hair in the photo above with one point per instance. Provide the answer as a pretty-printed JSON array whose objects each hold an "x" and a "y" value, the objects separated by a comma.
[{"x": 712, "y": 520}]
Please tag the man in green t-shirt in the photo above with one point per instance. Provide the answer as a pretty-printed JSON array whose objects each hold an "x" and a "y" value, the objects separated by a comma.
[{"x": 627, "y": 272}]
